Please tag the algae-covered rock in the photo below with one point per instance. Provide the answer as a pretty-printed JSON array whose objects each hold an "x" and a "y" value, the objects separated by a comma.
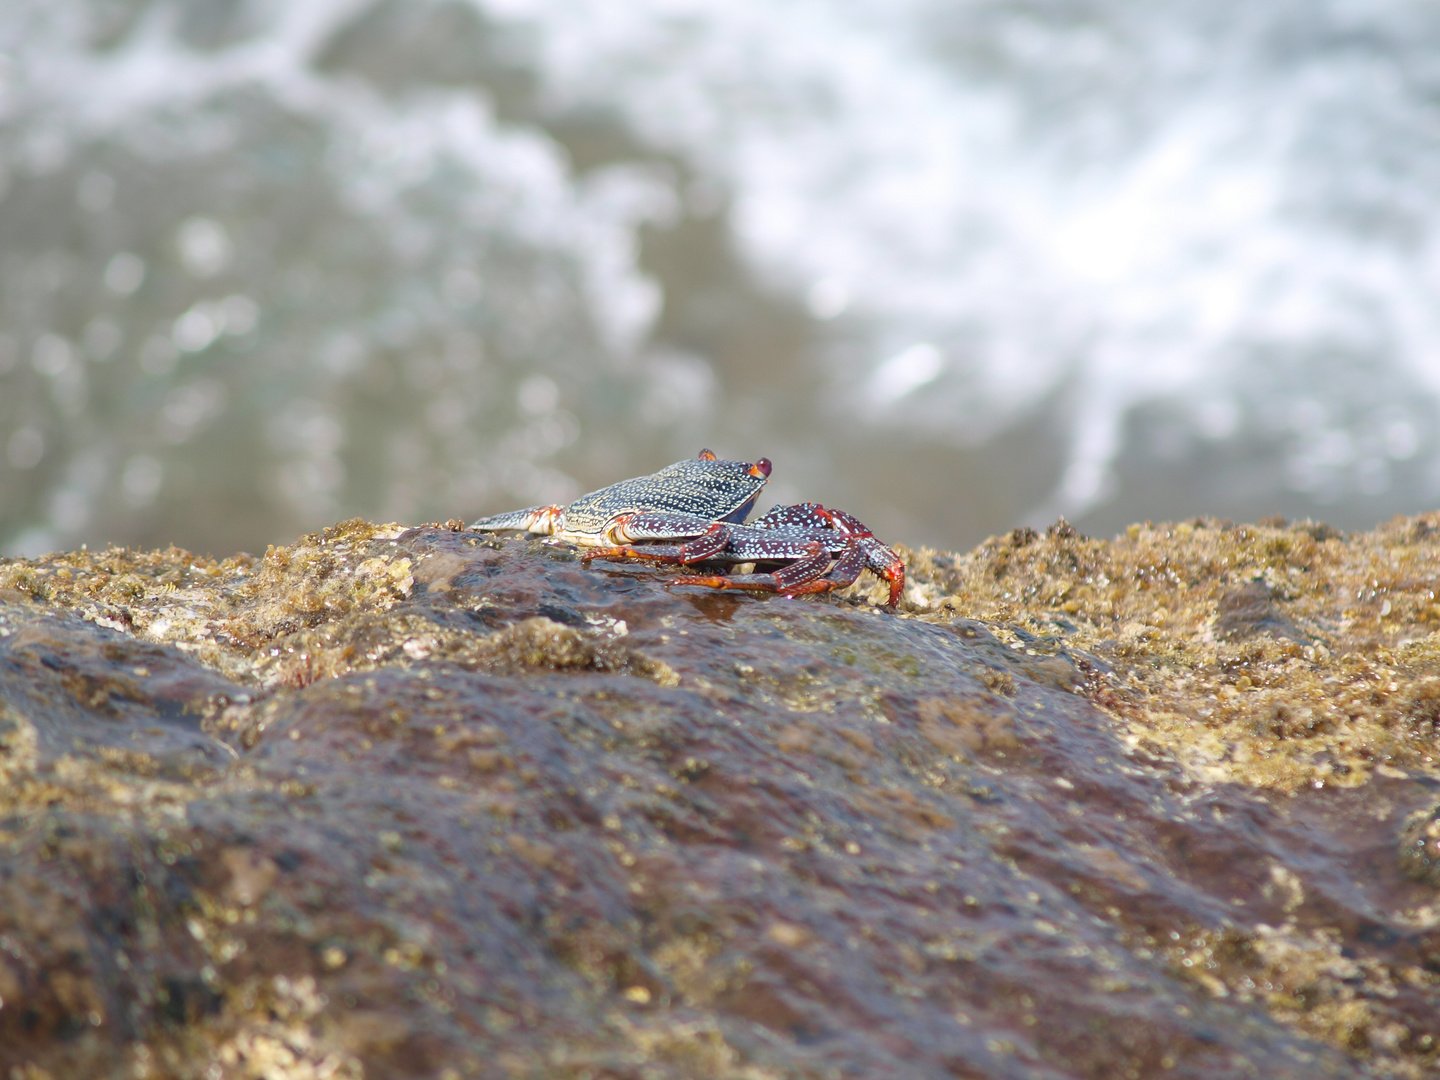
[{"x": 422, "y": 803}]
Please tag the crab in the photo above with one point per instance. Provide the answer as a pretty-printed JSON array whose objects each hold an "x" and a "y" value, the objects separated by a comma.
[{"x": 693, "y": 512}]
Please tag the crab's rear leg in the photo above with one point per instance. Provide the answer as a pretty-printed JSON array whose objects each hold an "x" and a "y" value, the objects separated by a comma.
[
  {"x": 545, "y": 520},
  {"x": 704, "y": 539},
  {"x": 806, "y": 561}
]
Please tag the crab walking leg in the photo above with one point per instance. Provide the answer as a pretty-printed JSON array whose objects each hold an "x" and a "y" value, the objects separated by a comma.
[
  {"x": 545, "y": 520},
  {"x": 660, "y": 525},
  {"x": 710, "y": 538},
  {"x": 857, "y": 557},
  {"x": 810, "y": 562},
  {"x": 846, "y": 571},
  {"x": 861, "y": 550}
]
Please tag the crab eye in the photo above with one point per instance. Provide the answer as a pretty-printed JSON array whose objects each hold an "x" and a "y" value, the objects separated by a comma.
[{"x": 761, "y": 467}]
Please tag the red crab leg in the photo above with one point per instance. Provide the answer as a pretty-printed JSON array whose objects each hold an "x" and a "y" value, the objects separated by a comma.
[
  {"x": 853, "y": 560},
  {"x": 846, "y": 571},
  {"x": 880, "y": 559},
  {"x": 789, "y": 579},
  {"x": 660, "y": 525},
  {"x": 709, "y": 543}
]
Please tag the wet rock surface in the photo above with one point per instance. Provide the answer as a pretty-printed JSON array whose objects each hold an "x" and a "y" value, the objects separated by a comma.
[{"x": 421, "y": 803}]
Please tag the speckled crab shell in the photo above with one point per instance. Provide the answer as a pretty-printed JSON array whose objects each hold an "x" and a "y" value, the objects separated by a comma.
[
  {"x": 707, "y": 487},
  {"x": 704, "y": 487}
]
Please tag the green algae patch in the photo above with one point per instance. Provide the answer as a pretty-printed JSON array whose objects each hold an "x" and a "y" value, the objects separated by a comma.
[{"x": 396, "y": 802}]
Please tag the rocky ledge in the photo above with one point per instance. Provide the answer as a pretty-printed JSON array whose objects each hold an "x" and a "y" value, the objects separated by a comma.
[{"x": 421, "y": 803}]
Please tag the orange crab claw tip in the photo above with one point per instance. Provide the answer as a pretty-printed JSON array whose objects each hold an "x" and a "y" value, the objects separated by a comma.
[
  {"x": 761, "y": 467},
  {"x": 897, "y": 589}
]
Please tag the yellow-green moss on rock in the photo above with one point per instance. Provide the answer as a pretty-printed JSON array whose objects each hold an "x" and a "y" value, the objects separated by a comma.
[{"x": 1275, "y": 655}]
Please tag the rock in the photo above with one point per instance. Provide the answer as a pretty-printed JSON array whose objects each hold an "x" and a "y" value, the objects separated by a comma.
[
  {"x": 424, "y": 803},
  {"x": 1250, "y": 610}
]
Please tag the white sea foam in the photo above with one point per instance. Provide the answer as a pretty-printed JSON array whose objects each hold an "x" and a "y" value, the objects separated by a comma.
[
  {"x": 1205, "y": 203},
  {"x": 1224, "y": 208},
  {"x": 448, "y": 206}
]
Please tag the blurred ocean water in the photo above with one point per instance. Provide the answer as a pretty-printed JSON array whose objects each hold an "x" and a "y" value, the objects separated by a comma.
[{"x": 953, "y": 266}]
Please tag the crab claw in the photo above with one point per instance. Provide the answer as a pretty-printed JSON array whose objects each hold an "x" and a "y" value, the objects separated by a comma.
[{"x": 889, "y": 566}]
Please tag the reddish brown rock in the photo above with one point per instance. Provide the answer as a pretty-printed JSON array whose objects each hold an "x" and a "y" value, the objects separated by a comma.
[{"x": 425, "y": 804}]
